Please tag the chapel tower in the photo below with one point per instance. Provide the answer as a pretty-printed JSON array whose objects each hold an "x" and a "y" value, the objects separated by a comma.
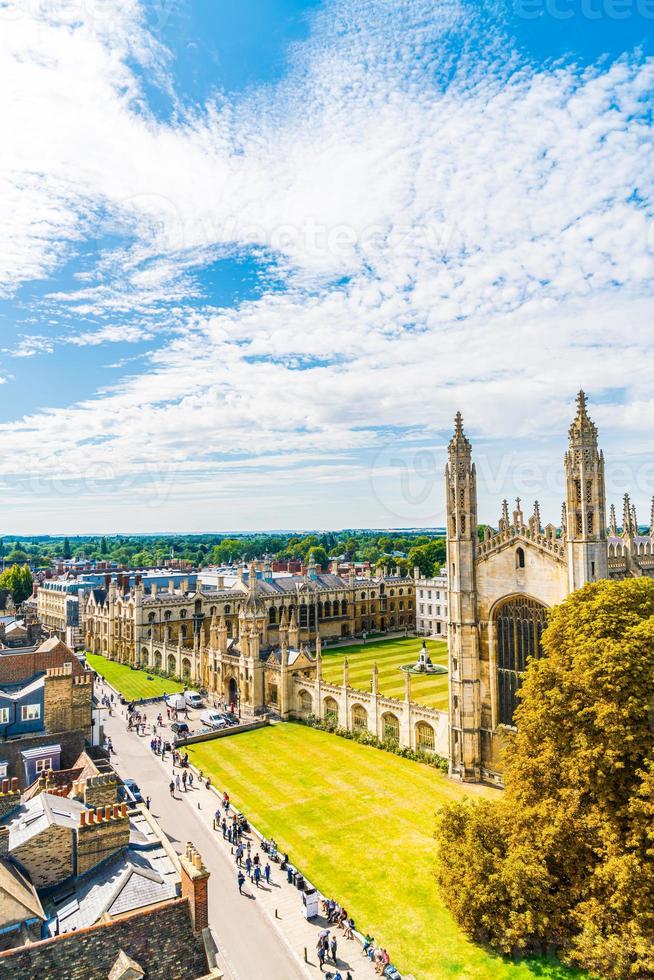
[
  {"x": 464, "y": 709},
  {"x": 585, "y": 510}
]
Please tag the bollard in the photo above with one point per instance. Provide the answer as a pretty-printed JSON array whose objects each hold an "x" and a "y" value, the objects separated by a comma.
[
  {"x": 276, "y": 914},
  {"x": 306, "y": 958}
]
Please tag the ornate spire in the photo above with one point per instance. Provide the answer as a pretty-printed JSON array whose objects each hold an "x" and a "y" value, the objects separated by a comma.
[
  {"x": 564, "y": 519},
  {"x": 504, "y": 519},
  {"x": 651, "y": 519},
  {"x": 459, "y": 445},
  {"x": 634, "y": 519},
  {"x": 613, "y": 526},
  {"x": 627, "y": 517},
  {"x": 346, "y": 673},
  {"x": 518, "y": 519},
  {"x": 582, "y": 429}
]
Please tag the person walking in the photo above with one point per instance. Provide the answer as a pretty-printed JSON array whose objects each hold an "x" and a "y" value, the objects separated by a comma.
[
  {"x": 178, "y": 783},
  {"x": 147, "y": 802},
  {"x": 333, "y": 946},
  {"x": 321, "y": 954},
  {"x": 267, "y": 873},
  {"x": 224, "y": 826},
  {"x": 172, "y": 787},
  {"x": 190, "y": 778},
  {"x": 257, "y": 875},
  {"x": 184, "y": 778},
  {"x": 241, "y": 881},
  {"x": 248, "y": 866}
]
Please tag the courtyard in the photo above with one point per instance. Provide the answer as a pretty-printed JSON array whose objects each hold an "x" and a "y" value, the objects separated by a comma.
[
  {"x": 132, "y": 683},
  {"x": 390, "y": 655},
  {"x": 359, "y": 823}
]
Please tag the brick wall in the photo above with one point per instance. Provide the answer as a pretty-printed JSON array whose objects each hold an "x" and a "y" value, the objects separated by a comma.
[
  {"x": 101, "y": 790},
  {"x": 48, "y": 856},
  {"x": 160, "y": 939},
  {"x": 101, "y": 833},
  {"x": 68, "y": 702},
  {"x": 72, "y": 744},
  {"x": 9, "y": 796},
  {"x": 16, "y": 667},
  {"x": 195, "y": 880}
]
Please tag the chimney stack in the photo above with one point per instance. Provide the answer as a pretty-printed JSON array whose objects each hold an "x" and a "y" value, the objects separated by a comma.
[{"x": 195, "y": 879}]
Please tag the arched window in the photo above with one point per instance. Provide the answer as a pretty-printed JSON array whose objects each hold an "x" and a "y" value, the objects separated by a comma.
[
  {"x": 520, "y": 558},
  {"x": 331, "y": 710},
  {"x": 343, "y": 607},
  {"x": 425, "y": 736},
  {"x": 182, "y": 630},
  {"x": 157, "y": 660},
  {"x": 167, "y": 615},
  {"x": 519, "y": 624},
  {"x": 327, "y": 609},
  {"x": 151, "y": 617},
  {"x": 272, "y": 694},
  {"x": 359, "y": 717},
  {"x": 227, "y": 610},
  {"x": 306, "y": 703},
  {"x": 390, "y": 727},
  {"x": 182, "y": 614},
  {"x": 272, "y": 615},
  {"x": 186, "y": 668},
  {"x": 172, "y": 666}
]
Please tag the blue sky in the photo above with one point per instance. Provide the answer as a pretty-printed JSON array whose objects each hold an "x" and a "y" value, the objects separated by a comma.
[{"x": 255, "y": 256}]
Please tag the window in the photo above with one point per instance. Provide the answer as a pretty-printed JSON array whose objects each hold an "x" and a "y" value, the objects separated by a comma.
[
  {"x": 359, "y": 717},
  {"x": 520, "y": 624},
  {"x": 520, "y": 558},
  {"x": 30, "y": 712},
  {"x": 4, "y": 766},
  {"x": 42, "y": 765},
  {"x": 4, "y": 716},
  {"x": 425, "y": 736}
]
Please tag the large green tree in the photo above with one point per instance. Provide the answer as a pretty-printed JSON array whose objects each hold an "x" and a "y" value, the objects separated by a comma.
[
  {"x": 18, "y": 579},
  {"x": 566, "y": 859}
]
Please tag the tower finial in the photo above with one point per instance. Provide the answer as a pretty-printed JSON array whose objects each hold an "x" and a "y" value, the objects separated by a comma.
[
  {"x": 581, "y": 404},
  {"x": 458, "y": 424},
  {"x": 651, "y": 519},
  {"x": 613, "y": 524}
]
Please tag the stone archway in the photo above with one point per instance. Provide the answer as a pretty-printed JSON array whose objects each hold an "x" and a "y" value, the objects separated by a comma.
[
  {"x": 519, "y": 622},
  {"x": 232, "y": 691},
  {"x": 172, "y": 664}
]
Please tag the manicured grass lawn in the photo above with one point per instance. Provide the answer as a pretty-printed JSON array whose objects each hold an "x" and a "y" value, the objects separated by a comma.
[
  {"x": 359, "y": 823},
  {"x": 132, "y": 684},
  {"x": 390, "y": 655}
]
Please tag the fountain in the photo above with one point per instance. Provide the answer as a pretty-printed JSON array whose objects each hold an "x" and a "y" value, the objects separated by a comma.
[{"x": 424, "y": 664}]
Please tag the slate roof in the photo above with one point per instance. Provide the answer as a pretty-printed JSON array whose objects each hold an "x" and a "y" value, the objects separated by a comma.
[{"x": 131, "y": 880}]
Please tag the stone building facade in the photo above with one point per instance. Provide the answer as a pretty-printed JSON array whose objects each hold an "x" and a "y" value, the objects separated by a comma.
[
  {"x": 208, "y": 635},
  {"x": 431, "y": 606},
  {"x": 501, "y": 587}
]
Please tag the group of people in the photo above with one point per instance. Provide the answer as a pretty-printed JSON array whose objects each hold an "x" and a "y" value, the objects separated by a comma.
[
  {"x": 377, "y": 954},
  {"x": 338, "y": 916},
  {"x": 181, "y": 783}
]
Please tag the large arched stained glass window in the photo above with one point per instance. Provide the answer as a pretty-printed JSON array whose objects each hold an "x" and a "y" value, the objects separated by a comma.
[{"x": 520, "y": 624}]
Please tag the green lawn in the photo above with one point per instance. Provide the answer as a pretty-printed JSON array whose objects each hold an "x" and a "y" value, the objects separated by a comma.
[
  {"x": 390, "y": 655},
  {"x": 132, "y": 684},
  {"x": 359, "y": 823}
]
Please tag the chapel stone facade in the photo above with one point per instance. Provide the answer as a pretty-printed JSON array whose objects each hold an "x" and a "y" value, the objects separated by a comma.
[{"x": 502, "y": 585}]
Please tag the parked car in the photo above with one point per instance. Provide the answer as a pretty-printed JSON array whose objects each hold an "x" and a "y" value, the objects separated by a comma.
[
  {"x": 231, "y": 718},
  {"x": 193, "y": 699},
  {"x": 213, "y": 719},
  {"x": 130, "y": 790},
  {"x": 180, "y": 729}
]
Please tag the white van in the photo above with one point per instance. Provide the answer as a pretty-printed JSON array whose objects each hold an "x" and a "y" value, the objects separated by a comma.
[
  {"x": 213, "y": 719},
  {"x": 193, "y": 699},
  {"x": 175, "y": 701}
]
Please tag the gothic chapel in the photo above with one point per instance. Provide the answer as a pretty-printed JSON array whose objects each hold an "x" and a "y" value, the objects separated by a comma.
[{"x": 501, "y": 587}]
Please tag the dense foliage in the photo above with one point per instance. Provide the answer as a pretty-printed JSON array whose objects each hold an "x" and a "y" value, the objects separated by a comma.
[
  {"x": 426, "y": 549},
  {"x": 18, "y": 579},
  {"x": 565, "y": 860}
]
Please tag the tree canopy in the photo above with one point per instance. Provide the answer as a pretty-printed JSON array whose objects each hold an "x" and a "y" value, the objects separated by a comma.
[
  {"x": 18, "y": 579},
  {"x": 566, "y": 859}
]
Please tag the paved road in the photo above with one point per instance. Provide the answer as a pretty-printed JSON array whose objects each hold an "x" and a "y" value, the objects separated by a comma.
[{"x": 250, "y": 945}]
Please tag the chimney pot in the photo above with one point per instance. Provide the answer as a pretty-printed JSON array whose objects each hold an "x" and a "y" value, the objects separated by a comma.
[
  {"x": 82, "y": 819},
  {"x": 14, "y": 784}
]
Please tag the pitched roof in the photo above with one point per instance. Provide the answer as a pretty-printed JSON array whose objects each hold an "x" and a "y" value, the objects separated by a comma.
[
  {"x": 18, "y": 899},
  {"x": 44, "y": 810}
]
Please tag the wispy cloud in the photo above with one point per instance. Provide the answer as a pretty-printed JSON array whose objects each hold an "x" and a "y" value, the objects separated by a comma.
[{"x": 449, "y": 224}]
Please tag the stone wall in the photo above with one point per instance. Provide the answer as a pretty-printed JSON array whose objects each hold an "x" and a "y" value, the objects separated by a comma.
[
  {"x": 68, "y": 701},
  {"x": 72, "y": 744},
  {"x": 381, "y": 713},
  {"x": 48, "y": 856},
  {"x": 160, "y": 939}
]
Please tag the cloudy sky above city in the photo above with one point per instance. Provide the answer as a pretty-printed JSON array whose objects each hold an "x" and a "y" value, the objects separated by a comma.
[{"x": 255, "y": 255}]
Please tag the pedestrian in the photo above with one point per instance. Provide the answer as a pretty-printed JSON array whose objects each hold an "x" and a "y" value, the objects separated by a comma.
[
  {"x": 184, "y": 778},
  {"x": 333, "y": 947},
  {"x": 147, "y": 802},
  {"x": 241, "y": 881},
  {"x": 248, "y": 866},
  {"x": 267, "y": 873},
  {"x": 257, "y": 875},
  {"x": 224, "y": 826},
  {"x": 172, "y": 787},
  {"x": 190, "y": 779},
  {"x": 321, "y": 954},
  {"x": 178, "y": 783},
  {"x": 256, "y": 860}
]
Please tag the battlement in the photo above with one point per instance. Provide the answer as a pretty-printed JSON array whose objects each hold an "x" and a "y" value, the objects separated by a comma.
[{"x": 86, "y": 678}]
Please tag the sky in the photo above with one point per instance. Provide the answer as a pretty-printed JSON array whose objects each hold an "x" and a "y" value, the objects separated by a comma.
[{"x": 254, "y": 256}]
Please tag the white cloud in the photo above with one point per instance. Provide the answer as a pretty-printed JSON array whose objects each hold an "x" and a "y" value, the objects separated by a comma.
[{"x": 472, "y": 243}]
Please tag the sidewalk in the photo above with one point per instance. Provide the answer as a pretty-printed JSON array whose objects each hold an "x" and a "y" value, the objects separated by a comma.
[{"x": 263, "y": 932}]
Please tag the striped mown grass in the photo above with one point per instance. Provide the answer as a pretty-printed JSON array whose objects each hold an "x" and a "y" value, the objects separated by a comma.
[
  {"x": 359, "y": 823},
  {"x": 132, "y": 684},
  {"x": 390, "y": 655}
]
